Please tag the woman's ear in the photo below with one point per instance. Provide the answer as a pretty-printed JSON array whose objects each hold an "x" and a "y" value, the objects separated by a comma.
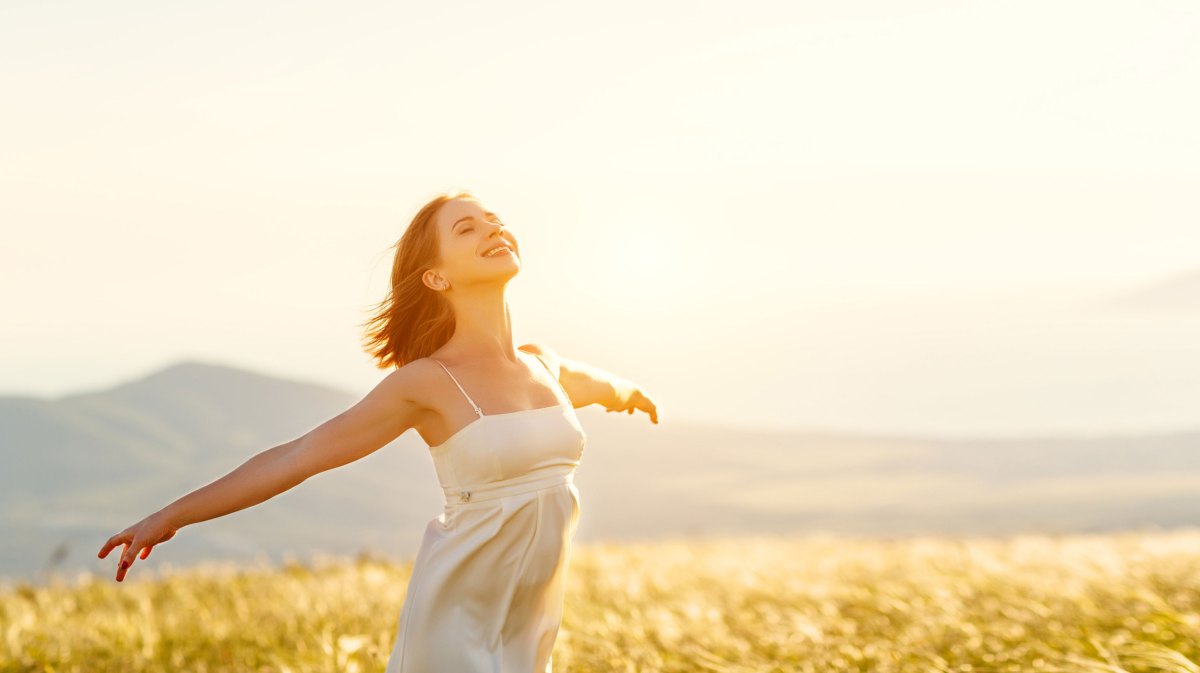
[{"x": 433, "y": 281}]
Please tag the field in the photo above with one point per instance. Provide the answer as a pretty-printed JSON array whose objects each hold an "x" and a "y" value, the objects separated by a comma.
[{"x": 1125, "y": 602}]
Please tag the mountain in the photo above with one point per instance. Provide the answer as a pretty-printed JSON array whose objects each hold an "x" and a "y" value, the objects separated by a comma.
[
  {"x": 77, "y": 469},
  {"x": 82, "y": 467}
]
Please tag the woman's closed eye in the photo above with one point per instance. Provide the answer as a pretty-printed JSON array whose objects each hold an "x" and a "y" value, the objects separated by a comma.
[{"x": 470, "y": 228}]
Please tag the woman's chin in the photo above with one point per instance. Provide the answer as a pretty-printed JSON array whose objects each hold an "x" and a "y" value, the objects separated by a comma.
[{"x": 506, "y": 273}]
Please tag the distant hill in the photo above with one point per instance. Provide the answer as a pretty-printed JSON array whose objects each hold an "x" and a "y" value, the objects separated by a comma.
[{"x": 79, "y": 468}]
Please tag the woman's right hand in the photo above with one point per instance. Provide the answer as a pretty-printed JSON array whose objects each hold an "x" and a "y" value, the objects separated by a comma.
[{"x": 141, "y": 536}]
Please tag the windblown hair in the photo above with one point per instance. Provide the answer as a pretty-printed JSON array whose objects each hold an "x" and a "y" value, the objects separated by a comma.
[{"x": 413, "y": 320}]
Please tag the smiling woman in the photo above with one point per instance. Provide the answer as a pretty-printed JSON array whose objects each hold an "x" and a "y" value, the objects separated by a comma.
[{"x": 487, "y": 586}]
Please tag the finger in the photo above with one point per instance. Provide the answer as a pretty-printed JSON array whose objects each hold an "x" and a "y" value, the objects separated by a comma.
[
  {"x": 121, "y": 565},
  {"x": 124, "y": 570},
  {"x": 108, "y": 545},
  {"x": 112, "y": 542},
  {"x": 127, "y": 559},
  {"x": 146, "y": 551}
]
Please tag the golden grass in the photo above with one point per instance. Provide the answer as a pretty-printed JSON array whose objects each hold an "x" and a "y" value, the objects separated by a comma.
[{"x": 1113, "y": 603}]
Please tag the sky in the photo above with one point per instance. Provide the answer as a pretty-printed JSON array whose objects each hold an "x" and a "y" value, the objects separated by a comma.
[{"x": 889, "y": 217}]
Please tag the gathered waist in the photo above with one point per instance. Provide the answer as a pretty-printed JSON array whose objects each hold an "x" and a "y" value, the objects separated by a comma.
[{"x": 525, "y": 483}]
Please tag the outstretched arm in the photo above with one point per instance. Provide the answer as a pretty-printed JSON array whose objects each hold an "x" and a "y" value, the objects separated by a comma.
[
  {"x": 384, "y": 414},
  {"x": 587, "y": 384}
]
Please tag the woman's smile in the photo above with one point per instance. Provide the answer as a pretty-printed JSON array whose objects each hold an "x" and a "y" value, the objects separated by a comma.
[{"x": 502, "y": 249}]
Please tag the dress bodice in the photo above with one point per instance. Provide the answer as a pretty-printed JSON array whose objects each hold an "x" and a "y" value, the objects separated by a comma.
[{"x": 518, "y": 444}]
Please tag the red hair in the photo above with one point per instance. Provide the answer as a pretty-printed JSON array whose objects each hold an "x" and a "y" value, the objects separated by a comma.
[{"x": 413, "y": 320}]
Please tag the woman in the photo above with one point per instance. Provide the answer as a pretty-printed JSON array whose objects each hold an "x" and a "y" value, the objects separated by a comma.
[{"x": 486, "y": 591}]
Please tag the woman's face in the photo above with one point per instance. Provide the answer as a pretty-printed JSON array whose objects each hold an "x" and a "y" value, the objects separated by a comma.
[{"x": 467, "y": 232}]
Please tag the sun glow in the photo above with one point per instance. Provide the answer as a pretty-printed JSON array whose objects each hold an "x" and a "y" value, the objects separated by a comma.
[{"x": 648, "y": 260}]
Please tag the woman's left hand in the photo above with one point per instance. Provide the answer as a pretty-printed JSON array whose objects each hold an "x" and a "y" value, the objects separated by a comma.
[{"x": 633, "y": 398}]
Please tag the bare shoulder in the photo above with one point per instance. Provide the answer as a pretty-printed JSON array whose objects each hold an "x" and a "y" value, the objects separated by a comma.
[
  {"x": 402, "y": 399},
  {"x": 578, "y": 379},
  {"x": 401, "y": 393},
  {"x": 402, "y": 396},
  {"x": 394, "y": 405},
  {"x": 412, "y": 381},
  {"x": 551, "y": 358}
]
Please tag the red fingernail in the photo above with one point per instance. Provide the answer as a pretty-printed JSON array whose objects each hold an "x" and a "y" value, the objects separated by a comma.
[{"x": 124, "y": 564}]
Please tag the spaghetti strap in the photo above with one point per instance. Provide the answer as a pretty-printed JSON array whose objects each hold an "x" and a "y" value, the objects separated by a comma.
[
  {"x": 464, "y": 392},
  {"x": 552, "y": 375}
]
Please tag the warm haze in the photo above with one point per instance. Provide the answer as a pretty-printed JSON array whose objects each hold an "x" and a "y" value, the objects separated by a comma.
[
  {"x": 861, "y": 217},
  {"x": 896, "y": 270}
]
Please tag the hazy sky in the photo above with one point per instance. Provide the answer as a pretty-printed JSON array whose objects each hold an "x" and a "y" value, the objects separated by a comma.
[{"x": 878, "y": 216}]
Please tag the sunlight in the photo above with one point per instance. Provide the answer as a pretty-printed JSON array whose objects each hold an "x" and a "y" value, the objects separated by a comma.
[{"x": 648, "y": 260}]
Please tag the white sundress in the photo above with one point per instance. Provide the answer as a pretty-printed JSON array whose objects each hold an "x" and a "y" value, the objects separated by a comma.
[{"x": 487, "y": 586}]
